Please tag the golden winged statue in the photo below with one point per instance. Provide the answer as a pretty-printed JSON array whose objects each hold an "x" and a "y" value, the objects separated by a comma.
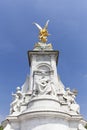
[{"x": 43, "y": 32}]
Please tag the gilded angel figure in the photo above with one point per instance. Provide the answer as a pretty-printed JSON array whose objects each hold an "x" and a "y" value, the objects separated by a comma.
[{"x": 43, "y": 32}]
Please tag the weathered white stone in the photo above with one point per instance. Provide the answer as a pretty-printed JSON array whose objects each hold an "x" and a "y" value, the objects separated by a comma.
[
  {"x": 8, "y": 127},
  {"x": 42, "y": 103}
]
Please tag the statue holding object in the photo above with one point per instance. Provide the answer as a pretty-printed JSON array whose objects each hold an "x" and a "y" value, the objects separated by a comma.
[{"x": 43, "y": 34}]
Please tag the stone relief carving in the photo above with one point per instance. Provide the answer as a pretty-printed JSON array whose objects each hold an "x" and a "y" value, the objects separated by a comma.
[
  {"x": 44, "y": 67},
  {"x": 43, "y": 83},
  {"x": 44, "y": 86}
]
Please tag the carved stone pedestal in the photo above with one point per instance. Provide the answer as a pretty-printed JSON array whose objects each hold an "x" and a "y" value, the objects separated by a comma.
[{"x": 42, "y": 103}]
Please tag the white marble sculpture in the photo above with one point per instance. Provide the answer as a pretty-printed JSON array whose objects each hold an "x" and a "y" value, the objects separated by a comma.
[
  {"x": 70, "y": 97},
  {"x": 44, "y": 86},
  {"x": 42, "y": 102},
  {"x": 18, "y": 100}
]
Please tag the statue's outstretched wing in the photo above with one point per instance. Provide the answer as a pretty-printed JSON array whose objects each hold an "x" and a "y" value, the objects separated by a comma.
[
  {"x": 46, "y": 25},
  {"x": 38, "y": 26}
]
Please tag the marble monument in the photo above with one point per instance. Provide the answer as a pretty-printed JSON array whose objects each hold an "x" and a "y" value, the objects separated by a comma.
[{"x": 43, "y": 102}]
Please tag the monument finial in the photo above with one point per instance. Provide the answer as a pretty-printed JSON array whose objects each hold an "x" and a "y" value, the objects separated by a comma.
[{"x": 43, "y": 32}]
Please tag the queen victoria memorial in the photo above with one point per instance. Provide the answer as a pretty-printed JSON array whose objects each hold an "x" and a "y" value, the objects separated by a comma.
[{"x": 43, "y": 102}]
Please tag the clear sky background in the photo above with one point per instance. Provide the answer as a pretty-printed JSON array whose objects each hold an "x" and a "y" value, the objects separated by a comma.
[{"x": 68, "y": 29}]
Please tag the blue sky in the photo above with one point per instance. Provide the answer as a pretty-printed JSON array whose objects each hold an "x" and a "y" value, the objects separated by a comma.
[{"x": 68, "y": 29}]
